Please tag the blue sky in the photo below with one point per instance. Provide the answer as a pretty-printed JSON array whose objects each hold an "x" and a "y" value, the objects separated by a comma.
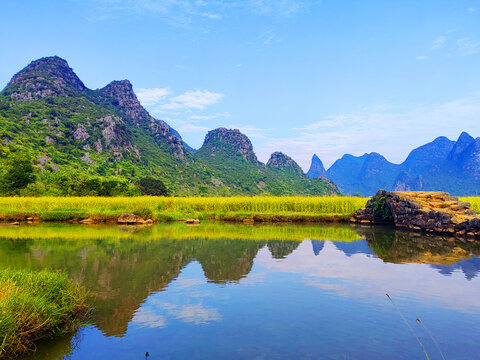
[{"x": 299, "y": 76}]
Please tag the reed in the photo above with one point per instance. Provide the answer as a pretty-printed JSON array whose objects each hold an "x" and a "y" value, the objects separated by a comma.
[
  {"x": 34, "y": 306},
  {"x": 408, "y": 325}
]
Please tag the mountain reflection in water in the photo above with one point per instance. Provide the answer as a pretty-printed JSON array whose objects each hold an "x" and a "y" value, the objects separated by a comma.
[{"x": 123, "y": 267}]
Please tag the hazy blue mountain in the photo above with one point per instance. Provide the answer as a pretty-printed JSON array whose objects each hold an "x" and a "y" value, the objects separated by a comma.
[
  {"x": 443, "y": 164},
  {"x": 316, "y": 168},
  {"x": 364, "y": 174},
  {"x": 424, "y": 157}
]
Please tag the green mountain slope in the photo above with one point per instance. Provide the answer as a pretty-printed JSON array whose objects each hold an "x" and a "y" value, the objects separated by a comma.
[
  {"x": 101, "y": 142},
  {"x": 229, "y": 155}
]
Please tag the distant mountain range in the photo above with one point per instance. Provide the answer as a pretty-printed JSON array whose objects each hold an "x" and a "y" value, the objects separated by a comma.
[
  {"x": 441, "y": 165},
  {"x": 74, "y": 134}
]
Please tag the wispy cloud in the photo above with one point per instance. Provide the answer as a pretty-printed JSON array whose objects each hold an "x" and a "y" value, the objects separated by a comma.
[
  {"x": 391, "y": 132},
  {"x": 151, "y": 96},
  {"x": 471, "y": 10},
  {"x": 250, "y": 130},
  {"x": 438, "y": 43},
  {"x": 193, "y": 99},
  {"x": 421, "y": 57},
  {"x": 468, "y": 46},
  {"x": 210, "y": 117},
  {"x": 184, "y": 12},
  {"x": 191, "y": 128}
]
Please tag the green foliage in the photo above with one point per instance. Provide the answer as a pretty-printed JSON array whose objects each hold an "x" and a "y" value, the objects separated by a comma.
[
  {"x": 18, "y": 173},
  {"x": 381, "y": 208},
  {"x": 151, "y": 186}
]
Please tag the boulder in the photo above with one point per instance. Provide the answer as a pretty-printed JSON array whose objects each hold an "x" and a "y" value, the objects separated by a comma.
[{"x": 130, "y": 219}]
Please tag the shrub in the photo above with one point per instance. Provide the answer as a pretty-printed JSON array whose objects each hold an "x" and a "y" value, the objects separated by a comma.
[{"x": 152, "y": 186}]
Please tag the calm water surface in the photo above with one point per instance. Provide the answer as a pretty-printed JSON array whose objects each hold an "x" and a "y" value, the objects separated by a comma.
[{"x": 220, "y": 291}]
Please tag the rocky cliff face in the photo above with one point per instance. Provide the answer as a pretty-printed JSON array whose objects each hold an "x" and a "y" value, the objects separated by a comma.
[
  {"x": 46, "y": 77},
  {"x": 122, "y": 96},
  {"x": 279, "y": 160},
  {"x": 316, "y": 168},
  {"x": 229, "y": 140}
]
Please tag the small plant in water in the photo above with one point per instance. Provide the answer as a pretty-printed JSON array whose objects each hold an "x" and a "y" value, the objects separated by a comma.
[
  {"x": 431, "y": 337},
  {"x": 408, "y": 325}
]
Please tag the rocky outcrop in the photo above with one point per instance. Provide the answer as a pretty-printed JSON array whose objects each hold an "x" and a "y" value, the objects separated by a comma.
[
  {"x": 122, "y": 96},
  {"x": 132, "y": 219},
  {"x": 279, "y": 160},
  {"x": 45, "y": 77},
  {"x": 432, "y": 212},
  {"x": 229, "y": 140}
]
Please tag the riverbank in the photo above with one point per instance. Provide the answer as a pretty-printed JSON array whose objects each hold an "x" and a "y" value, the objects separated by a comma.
[
  {"x": 164, "y": 209},
  {"x": 36, "y": 305}
]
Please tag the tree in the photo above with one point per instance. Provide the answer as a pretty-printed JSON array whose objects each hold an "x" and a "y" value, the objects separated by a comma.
[
  {"x": 152, "y": 186},
  {"x": 18, "y": 172}
]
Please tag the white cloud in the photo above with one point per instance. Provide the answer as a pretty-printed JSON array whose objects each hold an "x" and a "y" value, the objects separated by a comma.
[
  {"x": 147, "y": 317},
  {"x": 151, "y": 96},
  {"x": 190, "y": 128},
  {"x": 468, "y": 46},
  {"x": 250, "y": 130},
  {"x": 390, "y": 132},
  {"x": 210, "y": 117},
  {"x": 194, "y": 99},
  {"x": 421, "y": 57},
  {"x": 471, "y": 10},
  {"x": 438, "y": 43}
]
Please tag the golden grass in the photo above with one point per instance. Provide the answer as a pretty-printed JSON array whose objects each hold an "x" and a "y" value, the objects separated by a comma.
[{"x": 172, "y": 208}]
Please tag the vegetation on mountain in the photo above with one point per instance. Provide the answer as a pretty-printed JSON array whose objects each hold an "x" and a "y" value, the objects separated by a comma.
[
  {"x": 229, "y": 155},
  {"x": 102, "y": 142}
]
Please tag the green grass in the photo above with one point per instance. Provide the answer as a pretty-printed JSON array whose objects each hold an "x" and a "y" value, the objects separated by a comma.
[
  {"x": 260, "y": 208},
  {"x": 34, "y": 306}
]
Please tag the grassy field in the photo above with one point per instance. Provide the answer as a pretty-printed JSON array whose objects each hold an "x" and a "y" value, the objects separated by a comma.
[
  {"x": 474, "y": 201},
  {"x": 34, "y": 306},
  {"x": 274, "y": 209}
]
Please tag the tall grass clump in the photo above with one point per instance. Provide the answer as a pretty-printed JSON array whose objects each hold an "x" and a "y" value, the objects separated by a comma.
[{"x": 36, "y": 305}]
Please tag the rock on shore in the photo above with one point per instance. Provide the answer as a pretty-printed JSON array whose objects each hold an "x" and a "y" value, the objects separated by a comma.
[{"x": 432, "y": 212}]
